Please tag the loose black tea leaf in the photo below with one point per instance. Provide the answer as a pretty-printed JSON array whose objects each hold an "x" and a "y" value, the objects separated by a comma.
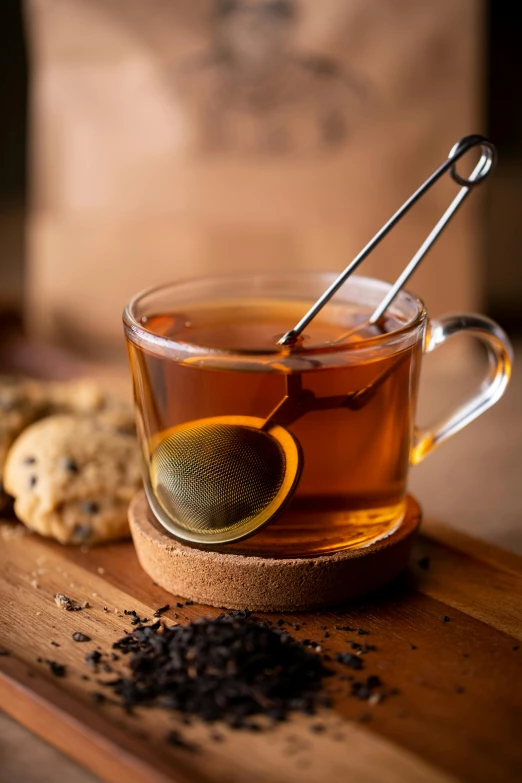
[
  {"x": 175, "y": 739},
  {"x": 78, "y": 636},
  {"x": 350, "y": 660},
  {"x": 58, "y": 669},
  {"x": 93, "y": 658},
  {"x": 227, "y": 668},
  {"x": 161, "y": 610},
  {"x": 364, "y": 690}
]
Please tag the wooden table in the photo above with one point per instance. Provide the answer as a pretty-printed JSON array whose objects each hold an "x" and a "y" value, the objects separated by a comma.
[{"x": 456, "y": 716}]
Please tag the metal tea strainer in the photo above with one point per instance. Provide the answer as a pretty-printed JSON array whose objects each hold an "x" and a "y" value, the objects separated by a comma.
[{"x": 220, "y": 479}]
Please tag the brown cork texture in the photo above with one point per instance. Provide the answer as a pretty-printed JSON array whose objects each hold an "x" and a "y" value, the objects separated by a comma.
[{"x": 234, "y": 581}]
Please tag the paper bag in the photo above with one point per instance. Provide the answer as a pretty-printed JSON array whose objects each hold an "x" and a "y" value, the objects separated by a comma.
[{"x": 173, "y": 139}]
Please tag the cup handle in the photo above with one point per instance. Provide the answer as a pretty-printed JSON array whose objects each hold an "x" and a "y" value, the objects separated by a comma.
[{"x": 500, "y": 358}]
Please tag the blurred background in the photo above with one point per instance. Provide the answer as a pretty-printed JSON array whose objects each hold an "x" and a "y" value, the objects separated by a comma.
[{"x": 144, "y": 142}]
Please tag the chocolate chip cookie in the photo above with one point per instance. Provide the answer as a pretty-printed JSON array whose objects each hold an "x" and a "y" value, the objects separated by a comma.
[
  {"x": 21, "y": 402},
  {"x": 72, "y": 478}
]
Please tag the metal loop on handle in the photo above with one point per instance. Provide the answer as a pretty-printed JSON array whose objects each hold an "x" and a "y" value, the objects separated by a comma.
[
  {"x": 487, "y": 160},
  {"x": 479, "y": 173}
]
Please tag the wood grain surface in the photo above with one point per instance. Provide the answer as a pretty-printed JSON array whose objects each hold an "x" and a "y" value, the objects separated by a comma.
[{"x": 456, "y": 716}]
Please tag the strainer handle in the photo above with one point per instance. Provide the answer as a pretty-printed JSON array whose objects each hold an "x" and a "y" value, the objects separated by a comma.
[
  {"x": 500, "y": 358},
  {"x": 480, "y": 172}
]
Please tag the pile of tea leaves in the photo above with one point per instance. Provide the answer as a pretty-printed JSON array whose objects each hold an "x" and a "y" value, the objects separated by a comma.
[{"x": 229, "y": 668}]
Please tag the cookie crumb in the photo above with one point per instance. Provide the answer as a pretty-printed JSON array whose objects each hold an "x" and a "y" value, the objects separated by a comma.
[
  {"x": 64, "y": 602},
  {"x": 13, "y": 531}
]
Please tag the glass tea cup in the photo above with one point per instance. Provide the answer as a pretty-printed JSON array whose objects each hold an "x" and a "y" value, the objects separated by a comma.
[{"x": 206, "y": 350}]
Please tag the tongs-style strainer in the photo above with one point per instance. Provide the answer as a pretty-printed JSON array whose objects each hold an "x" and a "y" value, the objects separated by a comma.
[{"x": 220, "y": 479}]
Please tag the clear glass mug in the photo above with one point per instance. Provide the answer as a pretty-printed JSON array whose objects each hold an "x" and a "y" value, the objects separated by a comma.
[{"x": 207, "y": 348}]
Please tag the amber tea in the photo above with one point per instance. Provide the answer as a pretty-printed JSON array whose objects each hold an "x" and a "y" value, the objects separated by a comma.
[{"x": 355, "y": 456}]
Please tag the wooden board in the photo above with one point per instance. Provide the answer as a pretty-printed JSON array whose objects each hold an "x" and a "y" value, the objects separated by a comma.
[{"x": 457, "y": 715}]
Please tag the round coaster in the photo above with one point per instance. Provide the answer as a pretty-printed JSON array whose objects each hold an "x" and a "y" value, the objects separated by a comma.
[{"x": 233, "y": 581}]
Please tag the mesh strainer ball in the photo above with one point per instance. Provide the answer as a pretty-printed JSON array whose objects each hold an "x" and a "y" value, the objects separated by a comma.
[{"x": 220, "y": 479}]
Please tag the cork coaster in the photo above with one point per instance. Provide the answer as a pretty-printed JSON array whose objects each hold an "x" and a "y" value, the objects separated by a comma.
[{"x": 234, "y": 581}]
